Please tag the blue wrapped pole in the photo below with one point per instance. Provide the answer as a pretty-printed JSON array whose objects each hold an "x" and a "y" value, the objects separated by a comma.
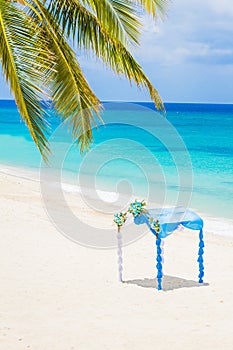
[
  {"x": 200, "y": 256},
  {"x": 159, "y": 262}
]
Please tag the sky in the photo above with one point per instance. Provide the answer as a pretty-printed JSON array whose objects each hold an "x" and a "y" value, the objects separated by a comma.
[{"x": 188, "y": 57}]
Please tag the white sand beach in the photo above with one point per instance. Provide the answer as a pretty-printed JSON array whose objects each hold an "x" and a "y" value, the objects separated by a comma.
[{"x": 56, "y": 294}]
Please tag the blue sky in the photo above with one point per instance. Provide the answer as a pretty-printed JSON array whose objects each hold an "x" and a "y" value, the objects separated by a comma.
[{"x": 188, "y": 57}]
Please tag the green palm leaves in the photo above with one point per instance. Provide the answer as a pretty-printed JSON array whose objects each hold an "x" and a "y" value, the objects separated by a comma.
[
  {"x": 38, "y": 61},
  {"x": 26, "y": 67},
  {"x": 154, "y": 7}
]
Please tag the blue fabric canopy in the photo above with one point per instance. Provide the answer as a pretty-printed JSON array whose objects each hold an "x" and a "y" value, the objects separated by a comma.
[
  {"x": 162, "y": 222},
  {"x": 170, "y": 219}
]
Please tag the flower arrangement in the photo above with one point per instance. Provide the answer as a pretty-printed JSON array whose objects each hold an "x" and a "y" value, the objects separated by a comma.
[
  {"x": 154, "y": 224},
  {"x": 137, "y": 208},
  {"x": 120, "y": 218}
]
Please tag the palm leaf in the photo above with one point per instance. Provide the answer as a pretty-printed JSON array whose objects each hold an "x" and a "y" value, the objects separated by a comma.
[
  {"x": 24, "y": 61},
  {"x": 92, "y": 35},
  {"x": 118, "y": 17},
  {"x": 36, "y": 56},
  {"x": 70, "y": 92},
  {"x": 153, "y": 7}
]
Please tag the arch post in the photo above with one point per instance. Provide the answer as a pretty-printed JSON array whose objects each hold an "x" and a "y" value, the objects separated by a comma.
[
  {"x": 119, "y": 253},
  {"x": 200, "y": 256},
  {"x": 159, "y": 262}
]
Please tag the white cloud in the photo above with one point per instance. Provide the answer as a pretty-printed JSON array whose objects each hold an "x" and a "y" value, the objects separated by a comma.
[{"x": 195, "y": 31}]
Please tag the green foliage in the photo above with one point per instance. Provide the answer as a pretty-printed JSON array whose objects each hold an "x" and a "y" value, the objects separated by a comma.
[{"x": 38, "y": 61}]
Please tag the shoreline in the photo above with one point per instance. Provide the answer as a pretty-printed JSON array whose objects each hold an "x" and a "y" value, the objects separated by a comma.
[{"x": 219, "y": 226}]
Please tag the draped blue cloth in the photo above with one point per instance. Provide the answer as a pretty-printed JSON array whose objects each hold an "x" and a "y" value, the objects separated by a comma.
[{"x": 170, "y": 219}]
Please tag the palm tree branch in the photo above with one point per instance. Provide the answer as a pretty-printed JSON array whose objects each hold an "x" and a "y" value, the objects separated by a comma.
[
  {"x": 23, "y": 78},
  {"x": 71, "y": 94},
  {"x": 92, "y": 35},
  {"x": 153, "y": 7},
  {"x": 117, "y": 16}
]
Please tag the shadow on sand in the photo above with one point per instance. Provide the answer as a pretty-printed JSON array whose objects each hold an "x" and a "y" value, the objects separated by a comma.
[{"x": 169, "y": 283}]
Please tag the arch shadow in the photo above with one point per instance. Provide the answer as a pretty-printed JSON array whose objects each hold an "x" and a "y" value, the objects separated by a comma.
[{"x": 168, "y": 283}]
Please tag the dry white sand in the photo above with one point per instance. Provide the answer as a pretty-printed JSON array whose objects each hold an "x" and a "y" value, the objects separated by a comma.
[{"x": 56, "y": 294}]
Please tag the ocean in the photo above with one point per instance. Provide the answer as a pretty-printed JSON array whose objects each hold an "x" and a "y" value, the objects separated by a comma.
[{"x": 185, "y": 158}]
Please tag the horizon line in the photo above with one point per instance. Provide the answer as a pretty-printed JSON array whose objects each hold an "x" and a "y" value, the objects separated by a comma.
[{"x": 149, "y": 101}]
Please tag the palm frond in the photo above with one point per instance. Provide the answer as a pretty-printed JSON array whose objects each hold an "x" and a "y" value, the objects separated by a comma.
[
  {"x": 70, "y": 92},
  {"x": 24, "y": 62},
  {"x": 92, "y": 35},
  {"x": 154, "y": 7},
  {"x": 123, "y": 63},
  {"x": 118, "y": 17},
  {"x": 36, "y": 57}
]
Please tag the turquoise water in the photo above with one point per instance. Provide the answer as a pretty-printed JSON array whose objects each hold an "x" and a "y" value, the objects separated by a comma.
[{"x": 152, "y": 156}]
